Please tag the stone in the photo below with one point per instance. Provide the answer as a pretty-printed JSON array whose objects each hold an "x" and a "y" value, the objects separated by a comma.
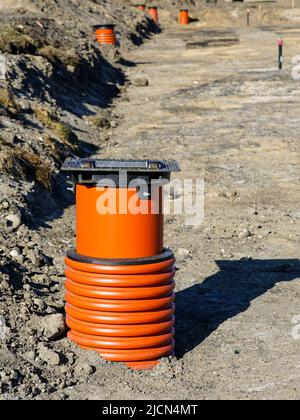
[
  {"x": 245, "y": 234},
  {"x": 84, "y": 369},
  {"x": 53, "y": 326},
  {"x": 4, "y": 282},
  {"x": 14, "y": 253},
  {"x": 40, "y": 304},
  {"x": 184, "y": 253},
  {"x": 141, "y": 82},
  {"x": 50, "y": 357},
  {"x": 13, "y": 222}
]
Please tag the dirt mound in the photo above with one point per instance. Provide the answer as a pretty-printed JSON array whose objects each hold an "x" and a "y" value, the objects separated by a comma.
[{"x": 54, "y": 102}]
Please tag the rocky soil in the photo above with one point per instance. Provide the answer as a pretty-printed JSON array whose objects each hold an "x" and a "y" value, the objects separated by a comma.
[{"x": 211, "y": 98}]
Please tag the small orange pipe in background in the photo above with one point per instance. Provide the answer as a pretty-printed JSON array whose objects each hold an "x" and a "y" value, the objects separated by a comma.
[
  {"x": 141, "y": 7},
  {"x": 105, "y": 34},
  {"x": 184, "y": 17},
  {"x": 120, "y": 278},
  {"x": 153, "y": 12}
]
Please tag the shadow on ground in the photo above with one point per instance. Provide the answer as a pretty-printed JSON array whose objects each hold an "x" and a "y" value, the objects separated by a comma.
[{"x": 202, "y": 308}]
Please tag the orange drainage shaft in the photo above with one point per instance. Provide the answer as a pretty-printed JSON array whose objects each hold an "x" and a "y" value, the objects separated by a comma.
[
  {"x": 105, "y": 34},
  {"x": 184, "y": 17},
  {"x": 120, "y": 278},
  {"x": 153, "y": 12},
  {"x": 141, "y": 7}
]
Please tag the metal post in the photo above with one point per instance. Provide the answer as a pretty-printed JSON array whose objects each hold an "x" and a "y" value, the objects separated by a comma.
[{"x": 280, "y": 54}]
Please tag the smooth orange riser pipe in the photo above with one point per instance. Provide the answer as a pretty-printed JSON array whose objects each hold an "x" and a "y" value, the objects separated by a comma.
[
  {"x": 125, "y": 313},
  {"x": 118, "y": 235},
  {"x": 153, "y": 12},
  {"x": 184, "y": 17}
]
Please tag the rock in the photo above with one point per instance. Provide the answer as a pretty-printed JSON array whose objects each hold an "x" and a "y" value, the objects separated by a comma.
[
  {"x": 31, "y": 244},
  {"x": 50, "y": 357},
  {"x": 37, "y": 258},
  {"x": 84, "y": 369},
  {"x": 245, "y": 234},
  {"x": 39, "y": 304},
  {"x": 4, "y": 282},
  {"x": 5, "y": 205},
  {"x": 30, "y": 355},
  {"x": 71, "y": 358},
  {"x": 17, "y": 255},
  {"x": 53, "y": 326},
  {"x": 184, "y": 253},
  {"x": 13, "y": 222},
  {"x": 141, "y": 82},
  {"x": 14, "y": 253}
]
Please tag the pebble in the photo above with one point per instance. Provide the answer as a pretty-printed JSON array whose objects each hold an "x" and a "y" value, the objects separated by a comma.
[
  {"x": 40, "y": 304},
  {"x": 245, "y": 234},
  {"x": 141, "y": 82},
  {"x": 53, "y": 326},
  {"x": 14, "y": 253},
  {"x": 13, "y": 222},
  {"x": 184, "y": 253},
  {"x": 50, "y": 357},
  {"x": 84, "y": 369}
]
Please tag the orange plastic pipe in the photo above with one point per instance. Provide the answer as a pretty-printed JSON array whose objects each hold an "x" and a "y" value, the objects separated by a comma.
[
  {"x": 96, "y": 279},
  {"x": 114, "y": 318},
  {"x": 120, "y": 330},
  {"x": 155, "y": 268},
  {"x": 106, "y": 35},
  {"x": 184, "y": 17},
  {"x": 141, "y": 7},
  {"x": 123, "y": 343},
  {"x": 149, "y": 356},
  {"x": 125, "y": 313},
  {"x": 115, "y": 234},
  {"x": 120, "y": 305},
  {"x": 153, "y": 12},
  {"x": 120, "y": 292}
]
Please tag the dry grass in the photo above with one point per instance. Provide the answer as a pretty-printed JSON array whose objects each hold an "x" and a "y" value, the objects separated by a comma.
[
  {"x": 53, "y": 54},
  {"x": 25, "y": 165},
  {"x": 8, "y": 101},
  {"x": 13, "y": 41},
  {"x": 99, "y": 121},
  {"x": 51, "y": 122}
]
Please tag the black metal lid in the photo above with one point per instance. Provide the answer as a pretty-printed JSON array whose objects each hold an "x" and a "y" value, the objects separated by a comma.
[
  {"x": 93, "y": 170},
  {"x": 104, "y": 25}
]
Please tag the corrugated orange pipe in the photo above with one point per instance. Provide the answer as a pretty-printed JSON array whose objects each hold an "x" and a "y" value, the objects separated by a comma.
[
  {"x": 153, "y": 12},
  {"x": 126, "y": 315},
  {"x": 183, "y": 17},
  {"x": 105, "y": 34},
  {"x": 120, "y": 279}
]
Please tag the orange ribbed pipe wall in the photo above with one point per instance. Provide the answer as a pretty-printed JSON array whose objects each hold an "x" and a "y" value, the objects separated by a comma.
[
  {"x": 105, "y": 34},
  {"x": 153, "y": 12},
  {"x": 184, "y": 17},
  {"x": 126, "y": 313}
]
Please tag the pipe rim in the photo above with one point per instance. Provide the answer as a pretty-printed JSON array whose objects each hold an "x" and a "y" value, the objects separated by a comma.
[{"x": 166, "y": 255}]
